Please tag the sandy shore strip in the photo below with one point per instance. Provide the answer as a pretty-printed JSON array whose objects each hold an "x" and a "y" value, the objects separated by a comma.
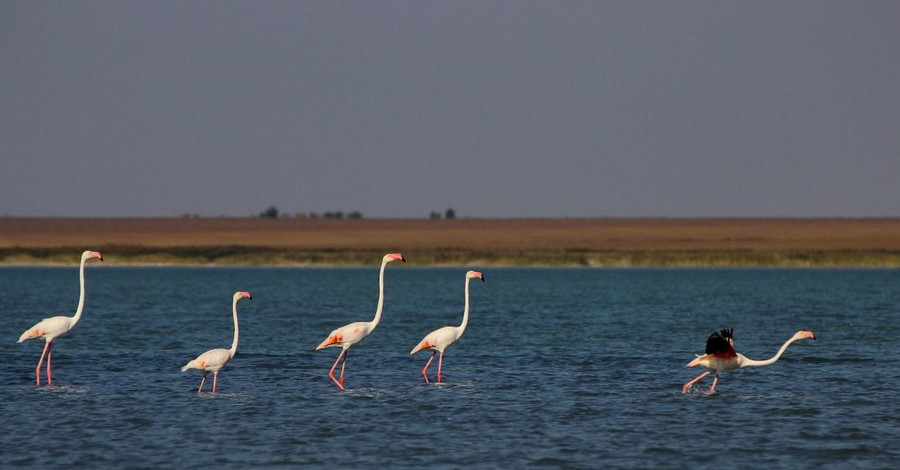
[{"x": 515, "y": 242}]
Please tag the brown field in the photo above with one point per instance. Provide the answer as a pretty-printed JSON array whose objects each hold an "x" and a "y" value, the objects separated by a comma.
[{"x": 590, "y": 242}]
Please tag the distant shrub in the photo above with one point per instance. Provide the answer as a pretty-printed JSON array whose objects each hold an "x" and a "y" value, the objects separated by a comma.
[{"x": 270, "y": 213}]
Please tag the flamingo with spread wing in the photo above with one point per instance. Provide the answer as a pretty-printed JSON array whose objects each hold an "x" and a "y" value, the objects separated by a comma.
[{"x": 721, "y": 355}]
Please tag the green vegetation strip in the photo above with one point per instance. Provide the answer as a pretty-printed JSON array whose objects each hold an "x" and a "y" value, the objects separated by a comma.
[{"x": 262, "y": 256}]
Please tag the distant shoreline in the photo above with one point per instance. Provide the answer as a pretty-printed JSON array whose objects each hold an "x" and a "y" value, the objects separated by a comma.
[
  {"x": 599, "y": 242},
  {"x": 199, "y": 256}
]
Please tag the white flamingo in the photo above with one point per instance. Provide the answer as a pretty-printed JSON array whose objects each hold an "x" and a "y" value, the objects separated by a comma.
[
  {"x": 439, "y": 339},
  {"x": 348, "y": 335},
  {"x": 54, "y": 327},
  {"x": 721, "y": 355},
  {"x": 215, "y": 359}
]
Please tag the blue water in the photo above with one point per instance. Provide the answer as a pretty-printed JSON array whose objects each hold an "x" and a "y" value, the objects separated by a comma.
[{"x": 558, "y": 368}]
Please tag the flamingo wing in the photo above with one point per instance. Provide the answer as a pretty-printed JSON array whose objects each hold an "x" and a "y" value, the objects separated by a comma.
[
  {"x": 438, "y": 339},
  {"x": 346, "y": 335},
  {"x": 718, "y": 342},
  {"x": 210, "y": 361},
  {"x": 48, "y": 328}
]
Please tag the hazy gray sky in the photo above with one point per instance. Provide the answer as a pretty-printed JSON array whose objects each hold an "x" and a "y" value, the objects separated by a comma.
[{"x": 493, "y": 108}]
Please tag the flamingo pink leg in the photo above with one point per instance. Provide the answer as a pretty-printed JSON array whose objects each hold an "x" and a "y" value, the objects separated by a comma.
[
  {"x": 687, "y": 386},
  {"x": 344, "y": 365},
  {"x": 37, "y": 371},
  {"x": 202, "y": 381},
  {"x": 713, "y": 388},
  {"x": 49, "y": 359},
  {"x": 215, "y": 379},
  {"x": 331, "y": 372},
  {"x": 440, "y": 365},
  {"x": 428, "y": 364}
]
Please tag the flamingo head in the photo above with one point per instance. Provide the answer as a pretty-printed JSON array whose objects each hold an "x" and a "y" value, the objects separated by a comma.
[
  {"x": 475, "y": 274},
  {"x": 393, "y": 257},
  {"x": 805, "y": 334},
  {"x": 240, "y": 295},
  {"x": 88, "y": 254}
]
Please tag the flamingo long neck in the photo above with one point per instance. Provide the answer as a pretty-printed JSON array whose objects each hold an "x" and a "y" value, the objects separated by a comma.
[
  {"x": 465, "y": 320},
  {"x": 380, "y": 307},
  {"x": 234, "y": 342},
  {"x": 747, "y": 362},
  {"x": 81, "y": 295}
]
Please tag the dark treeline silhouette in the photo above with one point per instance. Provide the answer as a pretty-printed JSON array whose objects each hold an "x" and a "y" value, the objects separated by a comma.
[{"x": 272, "y": 213}]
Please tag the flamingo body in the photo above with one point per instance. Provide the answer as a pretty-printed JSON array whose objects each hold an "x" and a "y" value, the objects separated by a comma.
[
  {"x": 352, "y": 333},
  {"x": 51, "y": 328},
  {"x": 347, "y": 335},
  {"x": 210, "y": 361},
  {"x": 721, "y": 355},
  {"x": 48, "y": 329},
  {"x": 215, "y": 359},
  {"x": 439, "y": 339}
]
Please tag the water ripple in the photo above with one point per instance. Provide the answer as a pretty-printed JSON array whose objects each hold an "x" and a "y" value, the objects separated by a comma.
[{"x": 580, "y": 369}]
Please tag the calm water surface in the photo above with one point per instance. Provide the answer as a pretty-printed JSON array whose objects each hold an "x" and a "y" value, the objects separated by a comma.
[{"x": 576, "y": 368}]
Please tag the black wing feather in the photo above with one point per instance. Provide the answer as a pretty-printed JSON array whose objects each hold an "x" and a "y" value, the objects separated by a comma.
[{"x": 718, "y": 343}]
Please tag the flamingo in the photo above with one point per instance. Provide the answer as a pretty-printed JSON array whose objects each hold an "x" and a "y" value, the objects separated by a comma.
[
  {"x": 721, "y": 355},
  {"x": 54, "y": 327},
  {"x": 350, "y": 334},
  {"x": 439, "y": 339},
  {"x": 215, "y": 359}
]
